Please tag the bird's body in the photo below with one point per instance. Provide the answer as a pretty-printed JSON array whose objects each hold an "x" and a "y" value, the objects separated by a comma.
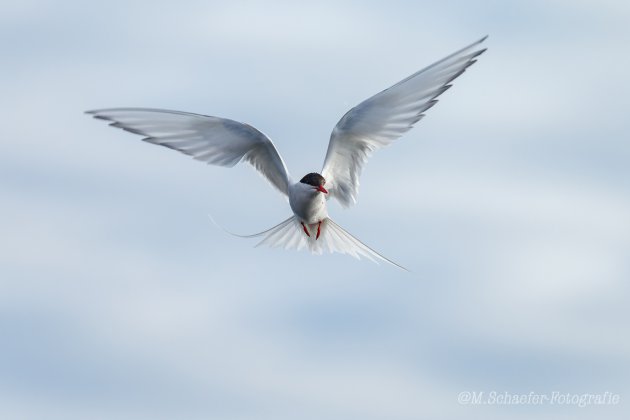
[
  {"x": 307, "y": 203},
  {"x": 371, "y": 125},
  {"x": 307, "y": 198}
]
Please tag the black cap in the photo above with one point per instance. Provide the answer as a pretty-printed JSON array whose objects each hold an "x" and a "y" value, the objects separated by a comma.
[{"x": 313, "y": 179}]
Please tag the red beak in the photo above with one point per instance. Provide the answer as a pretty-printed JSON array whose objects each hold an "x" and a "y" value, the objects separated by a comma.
[{"x": 322, "y": 189}]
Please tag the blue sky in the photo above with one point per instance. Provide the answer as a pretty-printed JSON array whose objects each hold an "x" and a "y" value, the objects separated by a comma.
[{"x": 509, "y": 202}]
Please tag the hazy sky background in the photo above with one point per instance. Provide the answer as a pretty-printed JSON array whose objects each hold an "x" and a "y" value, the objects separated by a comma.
[{"x": 509, "y": 202}]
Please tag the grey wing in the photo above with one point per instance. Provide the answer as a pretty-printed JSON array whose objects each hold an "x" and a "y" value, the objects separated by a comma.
[
  {"x": 217, "y": 141},
  {"x": 381, "y": 119}
]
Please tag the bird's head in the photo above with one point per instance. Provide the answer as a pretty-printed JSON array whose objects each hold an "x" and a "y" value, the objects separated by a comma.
[{"x": 316, "y": 181}]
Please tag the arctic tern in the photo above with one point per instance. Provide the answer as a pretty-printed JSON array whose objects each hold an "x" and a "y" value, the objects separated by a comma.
[{"x": 371, "y": 125}]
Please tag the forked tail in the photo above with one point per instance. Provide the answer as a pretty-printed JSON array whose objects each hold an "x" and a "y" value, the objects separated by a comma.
[{"x": 290, "y": 234}]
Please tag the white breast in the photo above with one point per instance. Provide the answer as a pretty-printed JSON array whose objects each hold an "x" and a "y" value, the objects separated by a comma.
[{"x": 307, "y": 203}]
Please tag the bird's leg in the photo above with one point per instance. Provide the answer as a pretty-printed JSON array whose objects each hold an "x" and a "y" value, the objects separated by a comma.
[
  {"x": 319, "y": 226},
  {"x": 305, "y": 229}
]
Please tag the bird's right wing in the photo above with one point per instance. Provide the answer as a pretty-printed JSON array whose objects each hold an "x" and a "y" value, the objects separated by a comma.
[{"x": 217, "y": 141}]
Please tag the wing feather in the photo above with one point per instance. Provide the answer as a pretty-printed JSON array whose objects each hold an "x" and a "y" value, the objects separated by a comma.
[
  {"x": 217, "y": 141},
  {"x": 381, "y": 119}
]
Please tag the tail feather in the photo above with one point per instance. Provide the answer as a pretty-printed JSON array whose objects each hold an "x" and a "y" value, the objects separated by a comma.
[
  {"x": 289, "y": 234},
  {"x": 348, "y": 244}
]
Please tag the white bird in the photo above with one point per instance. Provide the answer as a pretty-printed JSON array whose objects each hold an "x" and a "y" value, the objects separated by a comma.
[{"x": 373, "y": 124}]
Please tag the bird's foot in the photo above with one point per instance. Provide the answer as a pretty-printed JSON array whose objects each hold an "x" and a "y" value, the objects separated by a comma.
[
  {"x": 319, "y": 226},
  {"x": 306, "y": 230}
]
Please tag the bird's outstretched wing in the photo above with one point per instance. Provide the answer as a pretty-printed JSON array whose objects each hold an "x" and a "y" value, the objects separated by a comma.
[
  {"x": 383, "y": 118},
  {"x": 217, "y": 141}
]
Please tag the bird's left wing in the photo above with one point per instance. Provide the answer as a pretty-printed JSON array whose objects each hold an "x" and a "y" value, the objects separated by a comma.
[
  {"x": 383, "y": 118},
  {"x": 217, "y": 141}
]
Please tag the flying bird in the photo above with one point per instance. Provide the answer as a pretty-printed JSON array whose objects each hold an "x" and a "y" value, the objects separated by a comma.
[{"x": 371, "y": 125}]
